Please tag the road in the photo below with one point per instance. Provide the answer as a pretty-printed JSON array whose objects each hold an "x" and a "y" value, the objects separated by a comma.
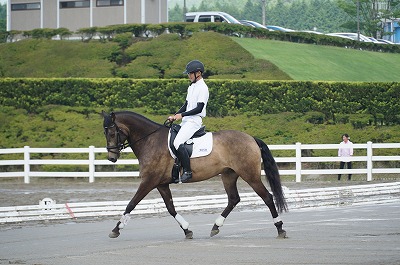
[{"x": 367, "y": 234}]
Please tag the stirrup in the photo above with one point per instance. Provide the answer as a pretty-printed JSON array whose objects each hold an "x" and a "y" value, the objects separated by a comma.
[{"x": 187, "y": 175}]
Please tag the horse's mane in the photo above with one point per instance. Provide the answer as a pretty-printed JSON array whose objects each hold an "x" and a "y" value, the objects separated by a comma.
[{"x": 136, "y": 116}]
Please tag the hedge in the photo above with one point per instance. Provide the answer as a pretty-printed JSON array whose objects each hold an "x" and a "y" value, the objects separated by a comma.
[
  {"x": 380, "y": 100},
  {"x": 186, "y": 29}
]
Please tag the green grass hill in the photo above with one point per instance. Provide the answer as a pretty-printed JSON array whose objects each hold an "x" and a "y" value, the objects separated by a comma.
[
  {"x": 326, "y": 63},
  {"x": 161, "y": 57},
  {"x": 224, "y": 57}
]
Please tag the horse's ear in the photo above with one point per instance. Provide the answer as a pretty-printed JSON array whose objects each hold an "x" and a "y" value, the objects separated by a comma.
[
  {"x": 104, "y": 114},
  {"x": 112, "y": 116}
]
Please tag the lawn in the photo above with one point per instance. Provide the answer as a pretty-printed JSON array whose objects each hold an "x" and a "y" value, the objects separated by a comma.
[{"x": 315, "y": 62}]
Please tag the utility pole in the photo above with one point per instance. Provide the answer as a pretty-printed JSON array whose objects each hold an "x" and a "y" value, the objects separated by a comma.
[
  {"x": 184, "y": 10},
  {"x": 263, "y": 11},
  {"x": 358, "y": 20}
]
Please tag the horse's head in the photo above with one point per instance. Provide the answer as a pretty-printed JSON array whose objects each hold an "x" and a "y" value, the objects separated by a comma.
[{"x": 115, "y": 137}]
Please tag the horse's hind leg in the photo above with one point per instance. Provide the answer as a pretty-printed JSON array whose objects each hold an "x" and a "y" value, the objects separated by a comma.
[
  {"x": 167, "y": 197},
  {"x": 229, "y": 178},
  {"x": 267, "y": 197}
]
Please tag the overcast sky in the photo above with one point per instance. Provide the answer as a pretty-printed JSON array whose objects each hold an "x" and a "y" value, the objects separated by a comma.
[{"x": 3, "y": 1}]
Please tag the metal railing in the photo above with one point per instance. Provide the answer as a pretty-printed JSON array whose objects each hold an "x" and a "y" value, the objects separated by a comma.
[{"x": 298, "y": 160}]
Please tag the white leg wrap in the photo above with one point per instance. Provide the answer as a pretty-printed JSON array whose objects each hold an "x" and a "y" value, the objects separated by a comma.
[
  {"x": 220, "y": 221},
  {"x": 124, "y": 220},
  {"x": 182, "y": 222},
  {"x": 277, "y": 219}
]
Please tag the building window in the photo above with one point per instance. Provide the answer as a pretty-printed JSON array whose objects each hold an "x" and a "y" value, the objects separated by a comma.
[
  {"x": 110, "y": 2},
  {"x": 30, "y": 6},
  {"x": 74, "y": 4}
]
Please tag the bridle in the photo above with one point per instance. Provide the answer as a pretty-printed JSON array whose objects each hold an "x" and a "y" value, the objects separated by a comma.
[{"x": 122, "y": 145}]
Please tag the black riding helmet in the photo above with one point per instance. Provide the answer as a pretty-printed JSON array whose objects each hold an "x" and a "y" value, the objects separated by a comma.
[{"x": 194, "y": 66}]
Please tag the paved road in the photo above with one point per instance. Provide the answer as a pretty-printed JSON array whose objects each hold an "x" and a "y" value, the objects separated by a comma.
[{"x": 368, "y": 234}]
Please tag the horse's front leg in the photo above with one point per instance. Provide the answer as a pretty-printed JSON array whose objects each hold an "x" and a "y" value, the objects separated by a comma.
[
  {"x": 167, "y": 197},
  {"x": 143, "y": 190}
]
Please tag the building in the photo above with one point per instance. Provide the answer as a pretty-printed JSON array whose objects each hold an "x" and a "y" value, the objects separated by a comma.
[
  {"x": 393, "y": 27},
  {"x": 73, "y": 14}
]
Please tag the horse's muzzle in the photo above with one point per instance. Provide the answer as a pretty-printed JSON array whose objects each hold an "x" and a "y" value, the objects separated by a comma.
[{"x": 113, "y": 159}]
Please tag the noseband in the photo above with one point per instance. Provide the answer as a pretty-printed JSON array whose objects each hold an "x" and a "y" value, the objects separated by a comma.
[{"x": 120, "y": 145}]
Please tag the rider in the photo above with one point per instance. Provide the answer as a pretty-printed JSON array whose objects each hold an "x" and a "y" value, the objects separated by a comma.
[{"x": 191, "y": 113}]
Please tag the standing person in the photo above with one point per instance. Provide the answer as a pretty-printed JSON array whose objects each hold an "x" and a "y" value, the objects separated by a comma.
[
  {"x": 191, "y": 113},
  {"x": 345, "y": 152}
]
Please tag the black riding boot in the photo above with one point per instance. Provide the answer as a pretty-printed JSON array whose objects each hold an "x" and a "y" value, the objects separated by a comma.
[{"x": 185, "y": 160}]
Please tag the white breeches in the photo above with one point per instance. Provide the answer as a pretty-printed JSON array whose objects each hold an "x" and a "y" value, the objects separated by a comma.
[{"x": 189, "y": 126}]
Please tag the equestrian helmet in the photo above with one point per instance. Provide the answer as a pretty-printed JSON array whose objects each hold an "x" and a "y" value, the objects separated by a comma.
[{"x": 194, "y": 66}]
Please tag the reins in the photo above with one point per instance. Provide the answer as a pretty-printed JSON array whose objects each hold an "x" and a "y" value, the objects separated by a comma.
[{"x": 121, "y": 146}]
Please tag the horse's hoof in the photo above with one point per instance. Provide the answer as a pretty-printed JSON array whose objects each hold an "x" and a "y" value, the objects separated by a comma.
[
  {"x": 189, "y": 234},
  {"x": 214, "y": 232},
  {"x": 282, "y": 235},
  {"x": 113, "y": 235}
]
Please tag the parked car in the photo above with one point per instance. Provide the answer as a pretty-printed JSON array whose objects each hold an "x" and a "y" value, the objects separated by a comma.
[
  {"x": 376, "y": 41},
  {"x": 278, "y": 28},
  {"x": 312, "y": 31},
  {"x": 386, "y": 41},
  {"x": 210, "y": 16},
  {"x": 353, "y": 36},
  {"x": 253, "y": 24}
]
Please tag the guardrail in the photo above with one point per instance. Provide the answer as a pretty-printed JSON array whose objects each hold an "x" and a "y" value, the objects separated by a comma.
[
  {"x": 298, "y": 160},
  {"x": 305, "y": 198}
]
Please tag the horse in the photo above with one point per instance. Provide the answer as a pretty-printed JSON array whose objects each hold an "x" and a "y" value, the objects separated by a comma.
[{"x": 234, "y": 154}]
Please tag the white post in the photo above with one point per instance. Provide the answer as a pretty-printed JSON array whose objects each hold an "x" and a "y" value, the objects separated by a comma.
[
  {"x": 41, "y": 14},
  {"x": 90, "y": 14},
  {"x": 298, "y": 162},
  {"x": 125, "y": 13},
  {"x": 142, "y": 11},
  {"x": 58, "y": 14},
  {"x": 91, "y": 164},
  {"x": 26, "y": 164},
  {"x": 369, "y": 161},
  {"x": 9, "y": 15}
]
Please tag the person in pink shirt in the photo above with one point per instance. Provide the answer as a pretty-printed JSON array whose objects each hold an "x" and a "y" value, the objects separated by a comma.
[{"x": 345, "y": 152}]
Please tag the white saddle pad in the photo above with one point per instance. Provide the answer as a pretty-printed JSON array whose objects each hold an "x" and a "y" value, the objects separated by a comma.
[{"x": 202, "y": 146}]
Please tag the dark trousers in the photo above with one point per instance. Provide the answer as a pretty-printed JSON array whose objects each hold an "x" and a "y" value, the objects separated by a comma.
[{"x": 342, "y": 167}]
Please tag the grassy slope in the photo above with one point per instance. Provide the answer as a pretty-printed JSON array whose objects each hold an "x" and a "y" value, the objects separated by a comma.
[
  {"x": 313, "y": 62},
  {"x": 46, "y": 58},
  {"x": 161, "y": 57}
]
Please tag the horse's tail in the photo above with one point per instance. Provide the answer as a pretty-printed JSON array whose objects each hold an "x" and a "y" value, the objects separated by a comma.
[{"x": 272, "y": 175}]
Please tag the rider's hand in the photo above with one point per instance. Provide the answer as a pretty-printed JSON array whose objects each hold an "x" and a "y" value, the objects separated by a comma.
[
  {"x": 171, "y": 118},
  {"x": 178, "y": 117}
]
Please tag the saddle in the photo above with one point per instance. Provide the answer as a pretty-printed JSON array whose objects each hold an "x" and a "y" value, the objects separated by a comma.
[{"x": 188, "y": 145}]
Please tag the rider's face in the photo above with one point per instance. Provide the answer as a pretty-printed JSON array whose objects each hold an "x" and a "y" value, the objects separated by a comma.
[{"x": 191, "y": 76}]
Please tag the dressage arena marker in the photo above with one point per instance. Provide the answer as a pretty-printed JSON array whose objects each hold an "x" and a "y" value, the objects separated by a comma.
[{"x": 48, "y": 209}]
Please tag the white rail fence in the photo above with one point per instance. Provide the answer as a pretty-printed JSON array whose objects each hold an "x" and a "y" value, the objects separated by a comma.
[
  {"x": 297, "y": 159},
  {"x": 305, "y": 198}
]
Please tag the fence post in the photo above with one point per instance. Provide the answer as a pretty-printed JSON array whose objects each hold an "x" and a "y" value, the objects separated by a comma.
[
  {"x": 298, "y": 162},
  {"x": 26, "y": 164},
  {"x": 369, "y": 161},
  {"x": 91, "y": 164}
]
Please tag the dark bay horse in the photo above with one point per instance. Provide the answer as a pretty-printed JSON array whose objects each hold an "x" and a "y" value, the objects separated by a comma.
[{"x": 234, "y": 154}]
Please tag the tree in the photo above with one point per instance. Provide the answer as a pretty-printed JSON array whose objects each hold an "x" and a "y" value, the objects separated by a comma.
[
  {"x": 372, "y": 14},
  {"x": 175, "y": 14}
]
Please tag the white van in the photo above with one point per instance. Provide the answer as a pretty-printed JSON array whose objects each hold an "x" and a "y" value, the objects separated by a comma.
[{"x": 210, "y": 17}]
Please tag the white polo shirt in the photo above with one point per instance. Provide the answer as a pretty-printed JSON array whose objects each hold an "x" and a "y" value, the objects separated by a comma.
[{"x": 197, "y": 93}]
